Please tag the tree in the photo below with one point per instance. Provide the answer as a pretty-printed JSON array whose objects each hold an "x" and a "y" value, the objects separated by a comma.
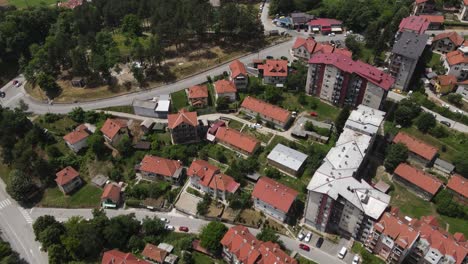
[
  {"x": 222, "y": 103},
  {"x": 57, "y": 254},
  {"x": 42, "y": 222},
  {"x": 425, "y": 122},
  {"x": 396, "y": 154},
  {"x": 353, "y": 45},
  {"x": 153, "y": 227},
  {"x": 272, "y": 94},
  {"x": 461, "y": 163},
  {"x": 96, "y": 145},
  {"x": 125, "y": 145},
  {"x": 131, "y": 25},
  {"x": 268, "y": 234},
  {"x": 455, "y": 99},
  {"x": 341, "y": 119},
  {"x": 204, "y": 205},
  {"x": 403, "y": 116},
  {"x": 48, "y": 84},
  {"x": 21, "y": 185},
  {"x": 77, "y": 114},
  {"x": 51, "y": 235},
  {"x": 211, "y": 236},
  {"x": 119, "y": 230}
]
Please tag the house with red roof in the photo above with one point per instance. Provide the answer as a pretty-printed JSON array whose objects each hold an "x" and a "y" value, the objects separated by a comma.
[
  {"x": 70, "y": 4},
  {"x": 273, "y": 198},
  {"x": 183, "y": 127},
  {"x": 114, "y": 129},
  {"x": 338, "y": 79},
  {"x": 254, "y": 107},
  {"x": 157, "y": 168},
  {"x": 444, "y": 84},
  {"x": 68, "y": 180},
  {"x": 158, "y": 255},
  {"x": 459, "y": 186},
  {"x": 463, "y": 15},
  {"x": 236, "y": 140},
  {"x": 325, "y": 25},
  {"x": 304, "y": 48},
  {"x": 435, "y": 21},
  {"x": 447, "y": 41},
  {"x": 415, "y": 24},
  {"x": 274, "y": 71},
  {"x": 421, "y": 183},
  {"x": 238, "y": 75},
  {"x": 111, "y": 195},
  {"x": 240, "y": 246},
  {"x": 209, "y": 179},
  {"x": 419, "y": 151},
  {"x": 392, "y": 238},
  {"x": 76, "y": 140},
  {"x": 115, "y": 256},
  {"x": 225, "y": 89},
  {"x": 456, "y": 63},
  {"x": 423, "y": 7},
  {"x": 198, "y": 96}
]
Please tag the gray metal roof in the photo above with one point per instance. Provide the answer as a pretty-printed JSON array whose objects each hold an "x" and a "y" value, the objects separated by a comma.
[
  {"x": 410, "y": 45},
  {"x": 144, "y": 104},
  {"x": 288, "y": 157},
  {"x": 444, "y": 164}
]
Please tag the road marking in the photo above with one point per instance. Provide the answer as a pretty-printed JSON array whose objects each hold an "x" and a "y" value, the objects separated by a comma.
[
  {"x": 26, "y": 215},
  {"x": 5, "y": 203}
]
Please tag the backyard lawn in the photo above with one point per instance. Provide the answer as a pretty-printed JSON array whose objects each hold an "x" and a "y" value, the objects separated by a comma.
[
  {"x": 313, "y": 104},
  {"x": 366, "y": 257},
  {"x": 87, "y": 196},
  {"x": 60, "y": 127},
  {"x": 199, "y": 258},
  {"x": 30, "y": 3},
  {"x": 235, "y": 124},
  {"x": 410, "y": 204},
  {"x": 179, "y": 100}
]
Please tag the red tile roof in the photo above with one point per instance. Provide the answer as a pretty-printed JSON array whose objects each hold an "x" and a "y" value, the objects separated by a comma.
[
  {"x": 249, "y": 250},
  {"x": 433, "y": 19},
  {"x": 224, "y": 183},
  {"x": 416, "y": 24},
  {"x": 418, "y": 178},
  {"x": 70, "y": 4},
  {"x": 343, "y": 51},
  {"x": 447, "y": 79},
  {"x": 158, "y": 165},
  {"x": 202, "y": 169},
  {"x": 398, "y": 229},
  {"x": 237, "y": 68},
  {"x": 271, "y": 111},
  {"x": 456, "y": 39},
  {"x": 308, "y": 43},
  {"x": 237, "y": 139},
  {"x": 112, "y": 126},
  {"x": 421, "y": 1},
  {"x": 456, "y": 57},
  {"x": 154, "y": 253},
  {"x": 418, "y": 147},
  {"x": 274, "y": 193},
  {"x": 76, "y": 135},
  {"x": 118, "y": 257},
  {"x": 66, "y": 175},
  {"x": 314, "y": 47},
  {"x": 465, "y": 2},
  {"x": 197, "y": 247},
  {"x": 224, "y": 86},
  {"x": 274, "y": 68},
  {"x": 458, "y": 184},
  {"x": 325, "y": 22},
  {"x": 184, "y": 116},
  {"x": 198, "y": 91},
  {"x": 366, "y": 71},
  {"x": 111, "y": 192}
]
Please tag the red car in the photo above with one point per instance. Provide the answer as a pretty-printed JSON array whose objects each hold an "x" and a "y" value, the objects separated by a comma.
[
  {"x": 183, "y": 228},
  {"x": 313, "y": 114},
  {"x": 304, "y": 247}
]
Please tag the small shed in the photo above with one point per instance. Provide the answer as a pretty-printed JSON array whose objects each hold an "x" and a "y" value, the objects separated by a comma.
[
  {"x": 382, "y": 186},
  {"x": 99, "y": 180},
  {"x": 166, "y": 247},
  {"x": 78, "y": 82}
]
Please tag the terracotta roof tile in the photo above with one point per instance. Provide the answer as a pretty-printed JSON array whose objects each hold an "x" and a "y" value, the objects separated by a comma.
[
  {"x": 158, "y": 165},
  {"x": 420, "y": 148},
  {"x": 66, "y": 175},
  {"x": 447, "y": 79},
  {"x": 76, "y": 135},
  {"x": 272, "y": 111},
  {"x": 224, "y": 183},
  {"x": 237, "y": 139},
  {"x": 198, "y": 91},
  {"x": 237, "y": 68},
  {"x": 272, "y": 253},
  {"x": 274, "y": 193},
  {"x": 202, "y": 169},
  {"x": 275, "y": 68},
  {"x": 458, "y": 184},
  {"x": 308, "y": 43},
  {"x": 325, "y": 22},
  {"x": 224, "y": 86},
  {"x": 154, "y": 253},
  {"x": 456, "y": 38},
  {"x": 418, "y": 178},
  {"x": 112, "y": 126},
  {"x": 398, "y": 229},
  {"x": 456, "y": 57},
  {"x": 433, "y": 19},
  {"x": 416, "y": 24},
  {"x": 117, "y": 257},
  {"x": 111, "y": 192},
  {"x": 184, "y": 116}
]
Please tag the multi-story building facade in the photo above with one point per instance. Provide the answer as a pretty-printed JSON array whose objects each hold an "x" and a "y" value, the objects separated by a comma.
[
  {"x": 456, "y": 63},
  {"x": 463, "y": 15},
  {"x": 405, "y": 55},
  {"x": 198, "y": 96},
  {"x": 338, "y": 79},
  {"x": 114, "y": 129},
  {"x": 274, "y": 71},
  {"x": 238, "y": 75},
  {"x": 254, "y": 107},
  {"x": 447, "y": 41},
  {"x": 305, "y": 48},
  {"x": 183, "y": 127},
  {"x": 68, "y": 180},
  {"x": 419, "y": 152},
  {"x": 422, "y": 184},
  {"x": 236, "y": 140},
  {"x": 77, "y": 139},
  {"x": 225, "y": 89},
  {"x": 157, "y": 168}
]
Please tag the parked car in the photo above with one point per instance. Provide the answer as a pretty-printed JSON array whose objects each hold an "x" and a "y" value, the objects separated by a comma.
[
  {"x": 313, "y": 114},
  {"x": 2, "y": 94},
  {"x": 446, "y": 105},
  {"x": 319, "y": 242},
  {"x": 304, "y": 247},
  {"x": 308, "y": 237},
  {"x": 356, "y": 259},
  {"x": 165, "y": 220},
  {"x": 342, "y": 252},
  {"x": 18, "y": 84},
  {"x": 170, "y": 228},
  {"x": 15, "y": 82},
  {"x": 300, "y": 236},
  {"x": 269, "y": 57},
  {"x": 447, "y": 123},
  {"x": 183, "y": 228}
]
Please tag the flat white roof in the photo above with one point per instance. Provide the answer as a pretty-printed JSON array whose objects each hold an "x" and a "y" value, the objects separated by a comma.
[
  {"x": 365, "y": 119},
  {"x": 163, "y": 106},
  {"x": 288, "y": 157}
]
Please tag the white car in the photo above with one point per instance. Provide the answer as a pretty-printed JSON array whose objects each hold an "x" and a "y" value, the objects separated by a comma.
[
  {"x": 308, "y": 237},
  {"x": 356, "y": 259},
  {"x": 165, "y": 220},
  {"x": 170, "y": 228},
  {"x": 300, "y": 236},
  {"x": 446, "y": 105},
  {"x": 342, "y": 252}
]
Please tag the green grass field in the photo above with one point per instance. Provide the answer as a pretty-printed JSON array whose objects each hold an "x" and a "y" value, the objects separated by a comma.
[
  {"x": 87, "y": 196},
  {"x": 410, "y": 204},
  {"x": 124, "y": 109},
  {"x": 30, "y": 3},
  {"x": 179, "y": 100},
  {"x": 324, "y": 111}
]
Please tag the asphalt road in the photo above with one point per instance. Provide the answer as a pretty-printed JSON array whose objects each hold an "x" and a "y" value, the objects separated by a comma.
[
  {"x": 16, "y": 228},
  {"x": 195, "y": 226}
]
